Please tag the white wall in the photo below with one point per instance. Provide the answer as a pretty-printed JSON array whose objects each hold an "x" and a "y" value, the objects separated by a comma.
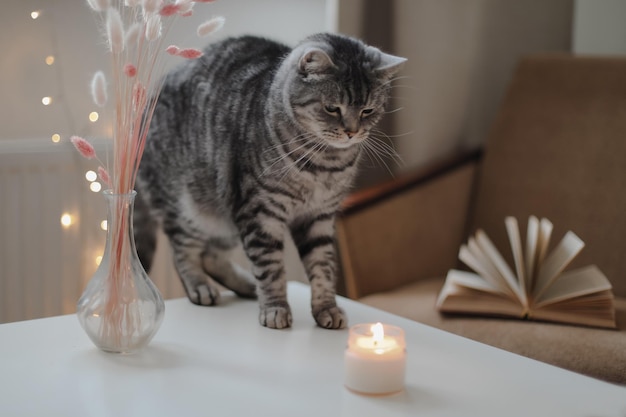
[{"x": 600, "y": 27}]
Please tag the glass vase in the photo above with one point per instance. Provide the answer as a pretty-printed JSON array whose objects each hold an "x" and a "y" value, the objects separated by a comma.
[{"x": 121, "y": 309}]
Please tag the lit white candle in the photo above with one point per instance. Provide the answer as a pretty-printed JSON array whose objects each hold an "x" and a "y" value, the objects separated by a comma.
[{"x": 375, "y": 359}]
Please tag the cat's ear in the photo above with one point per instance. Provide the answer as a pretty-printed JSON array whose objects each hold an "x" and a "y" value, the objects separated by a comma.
[
  {"x": 387, "y": 63},
  {"x": 315, "y": 61}
]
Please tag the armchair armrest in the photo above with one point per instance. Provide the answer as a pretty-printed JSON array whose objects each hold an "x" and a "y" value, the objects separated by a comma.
[{"x": 404, "y": 230}]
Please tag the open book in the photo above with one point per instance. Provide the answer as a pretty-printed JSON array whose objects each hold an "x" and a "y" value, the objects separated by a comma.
[{"x": 537, "y": 289}]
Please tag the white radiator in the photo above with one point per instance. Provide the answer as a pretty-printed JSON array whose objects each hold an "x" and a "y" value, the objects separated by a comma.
[{"x": 44, "y": 266}]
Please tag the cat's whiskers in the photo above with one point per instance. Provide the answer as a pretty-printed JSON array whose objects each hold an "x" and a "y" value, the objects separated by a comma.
[
  {"x": 374, "y": 156},
  {"x": 386, "y": 149},
  {"x": 397, "y": 109},
  {"x": 318, "y": 146},
  {"x": 284, "y": 155},
  {"x": 379, "y": 147},
  {"x": 281, "y": 145},
  {"x": 394, "y": 79},
  {"x": 379, "y": 133}
]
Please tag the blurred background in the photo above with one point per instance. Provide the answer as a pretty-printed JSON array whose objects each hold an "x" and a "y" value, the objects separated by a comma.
[{"x": 461, "y": 55}]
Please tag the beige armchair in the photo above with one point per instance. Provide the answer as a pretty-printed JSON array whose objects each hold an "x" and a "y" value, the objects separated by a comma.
[{"x": 557, "y": 150}]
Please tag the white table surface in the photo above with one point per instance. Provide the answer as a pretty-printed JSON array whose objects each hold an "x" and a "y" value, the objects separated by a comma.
[{"x": 218, "y": 361}]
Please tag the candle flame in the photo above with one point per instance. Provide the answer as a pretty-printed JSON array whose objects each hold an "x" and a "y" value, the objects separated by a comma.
[{"x": 378, "y": 333}]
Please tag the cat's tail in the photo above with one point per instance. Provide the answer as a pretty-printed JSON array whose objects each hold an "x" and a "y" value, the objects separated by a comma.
[{"x": 145, "y": 227}]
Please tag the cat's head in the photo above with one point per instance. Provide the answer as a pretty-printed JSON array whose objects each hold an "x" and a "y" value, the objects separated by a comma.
[{"x": 339, "y": 87}]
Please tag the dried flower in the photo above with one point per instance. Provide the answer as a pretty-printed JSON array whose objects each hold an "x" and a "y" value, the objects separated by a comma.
[
  {"x": 104, "y": 176},
  {"x": 189, "y": 53},
  {"x": 130, "y": 70},
  {"x": 115, "y": 31},
  {"x": 184, "y": 7},
  {"x": 169, "y": 9},
  {"x": 172, "y": 49},
  {"x": 135, "y": 39},
  {"x": 153, "y": 27},
  {"x": 150, "y": 6},
  {"x": 139, "y": 96},
  {"x": 211, "y": 26},
  {"x": 133, "y": 33},
  {"x": 99, "y": 5},
  {"x": 83, "y": 146},
  {"x": 98, "y": 89}
]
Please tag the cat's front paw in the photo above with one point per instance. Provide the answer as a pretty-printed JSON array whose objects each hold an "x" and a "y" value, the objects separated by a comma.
[
  {"x": 203, "y": 294},
  {"x": 275, "y": 317},
  {"x": 331, "y": 317}
]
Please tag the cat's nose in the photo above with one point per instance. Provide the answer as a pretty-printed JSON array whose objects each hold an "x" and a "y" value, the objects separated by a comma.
[{"x": 350, "y": 133}]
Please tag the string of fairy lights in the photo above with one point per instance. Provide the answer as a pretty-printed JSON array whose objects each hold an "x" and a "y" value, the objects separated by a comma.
[{"x": 52, "y": 59}]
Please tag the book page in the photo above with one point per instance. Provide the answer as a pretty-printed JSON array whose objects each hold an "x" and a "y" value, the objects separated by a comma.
[
  {"x": 532, "y": 238},
  {"x": 596, "y": 309},
  {"x": 571, "y": 284},
  {"x": 494, "y": 256},
  {"x": 515, "y": 241},
  {"x": 474, "y": 257},
  {"x": 462, "y": 300},
  {"x": 556, "y": 261},
  {"x": 545, "y": 233},
  {"x": 471, "y": 280}
]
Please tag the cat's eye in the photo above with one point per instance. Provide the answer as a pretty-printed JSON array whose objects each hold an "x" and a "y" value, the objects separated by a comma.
[
  {"x": 334, "y": 110},
  {"x": 366, "y": 112}
]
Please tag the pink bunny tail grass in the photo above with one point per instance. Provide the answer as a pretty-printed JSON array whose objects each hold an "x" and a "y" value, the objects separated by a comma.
[
  {"x": 83, "y": 147},
  {"x": 153, "y": 27},
  {"x": 184, "y": 7},
  {"x": 130, "y": 70},
  {"x": 172, "y": 50},
  {"x": 115, "y": 31},
  {"x": 104, "y": 176},
  {"x": 150, "y": 6},
  {"x": 190, "y": 53},
  {"x": 133, "y": 33},
  {"x": 99, "y": 89},
  {"x": 211, "y": 26},
  {"x": 139, "y": 97},
  {"x": 99, "y": 5},
  {"x": 169, "y": 10}
]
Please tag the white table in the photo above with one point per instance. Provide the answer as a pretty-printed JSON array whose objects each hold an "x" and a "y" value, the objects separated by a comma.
[{"x": 217, "y": 361}]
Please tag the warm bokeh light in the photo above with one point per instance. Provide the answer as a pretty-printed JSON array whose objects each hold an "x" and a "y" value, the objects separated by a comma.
[
  {"x": 98, "y": 259},
  {"x": 46, "y": 100},
  {"x": 93, "y": 116},
  {"x": 50, "y": 59},
  {"x": 95, "y": 186},
  {"x": 56, "y": 138},
  {"x": 35, "y": 14},
  {"x": 66, "y": 220},
  {"x": 91, "y": 176},
  {"x": 104, "y": 225}
]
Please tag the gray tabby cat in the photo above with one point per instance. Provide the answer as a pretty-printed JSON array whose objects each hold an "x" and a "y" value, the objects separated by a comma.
[{"x": 251, "y": 142}]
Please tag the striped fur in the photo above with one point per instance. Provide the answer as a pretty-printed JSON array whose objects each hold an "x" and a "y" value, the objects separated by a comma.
[{"x": 250, "y": 143}]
